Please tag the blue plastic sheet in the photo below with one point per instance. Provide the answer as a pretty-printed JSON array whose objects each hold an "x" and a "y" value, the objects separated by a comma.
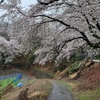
[
  {"x": 18, "y": 78},
  {"x": 19, "y": 84}
]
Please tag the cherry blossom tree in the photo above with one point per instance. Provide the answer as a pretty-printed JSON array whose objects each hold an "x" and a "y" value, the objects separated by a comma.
[
  {"x": 62, "y": 26},
  {"x": 79, "y": 25},
  {"x": 9, "y": 50}
]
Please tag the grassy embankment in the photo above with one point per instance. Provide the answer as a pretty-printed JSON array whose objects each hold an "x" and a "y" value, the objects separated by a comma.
[
  {"x": 5, "y": 82},
  {"x": 80, "y": 92},
  {"x": 88, "y": 94}
]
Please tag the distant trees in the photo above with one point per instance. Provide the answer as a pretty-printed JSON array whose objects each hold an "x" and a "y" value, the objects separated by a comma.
[{"x": 8, "y": 51}]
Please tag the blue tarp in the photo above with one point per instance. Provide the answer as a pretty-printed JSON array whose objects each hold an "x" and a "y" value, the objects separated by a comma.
[
  {"x": 17, "y": 75},
  {"x": 18, "y": 78},
  {"x": 19, "y": 84}
]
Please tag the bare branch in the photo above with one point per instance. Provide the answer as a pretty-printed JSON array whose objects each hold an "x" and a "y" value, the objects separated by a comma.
[{"x": 21, "y": 12}]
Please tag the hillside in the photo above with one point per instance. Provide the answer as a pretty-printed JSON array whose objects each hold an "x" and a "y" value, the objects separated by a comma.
[{"x": 87, "y": 87}]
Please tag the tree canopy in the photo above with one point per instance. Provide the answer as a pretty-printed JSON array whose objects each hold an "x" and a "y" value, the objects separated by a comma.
[{"x": 54, "y": 29}]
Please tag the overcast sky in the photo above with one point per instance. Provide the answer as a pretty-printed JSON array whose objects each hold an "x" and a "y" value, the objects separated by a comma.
[{"x": 24, "y": 3}]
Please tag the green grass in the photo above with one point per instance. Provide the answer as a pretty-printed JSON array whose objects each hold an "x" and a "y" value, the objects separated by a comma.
[
  {"x": 73, "y": 67},
  {"x": 5, "y": 82},
  {"x": 88, "y": 94}
]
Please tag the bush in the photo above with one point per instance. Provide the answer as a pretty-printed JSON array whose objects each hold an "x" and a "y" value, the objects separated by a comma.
[
  {"x": 73, "y": 68},
  {"x": 30, "y": 60},
  {"x": 77, "y": 57}
]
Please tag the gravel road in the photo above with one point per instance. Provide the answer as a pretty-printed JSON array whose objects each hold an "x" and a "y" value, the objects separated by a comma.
[{"x": 59, "y": 92}]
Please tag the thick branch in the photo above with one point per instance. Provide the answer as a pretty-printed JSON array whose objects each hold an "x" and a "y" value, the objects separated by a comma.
[
  {"x": 94, "y": 45},
  {"x": 1, "y": 1},
  {"x": 90, "y": 26},
  {"x": 96, "y": 36},
  {"x": 47, "y": 3},
  {"x": 55, "y": 19},
  {"x": 69, "y": 40},
  {"x": 98, "y": 25}
]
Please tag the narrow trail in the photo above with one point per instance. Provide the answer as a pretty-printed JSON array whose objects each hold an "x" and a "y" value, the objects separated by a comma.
[{"x": 59, "y": 92}]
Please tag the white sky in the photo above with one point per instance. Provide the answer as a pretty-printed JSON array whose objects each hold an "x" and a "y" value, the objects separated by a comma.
[{"x": 24, "y": 3}]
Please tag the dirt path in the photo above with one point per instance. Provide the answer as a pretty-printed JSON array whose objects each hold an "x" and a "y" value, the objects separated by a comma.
[{"x": 59, "y": 92}]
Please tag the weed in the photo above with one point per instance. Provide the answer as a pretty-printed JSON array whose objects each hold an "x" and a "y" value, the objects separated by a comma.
[
  {"x": 88, "y": 94},
  {"x": 73, "y": 68}
]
